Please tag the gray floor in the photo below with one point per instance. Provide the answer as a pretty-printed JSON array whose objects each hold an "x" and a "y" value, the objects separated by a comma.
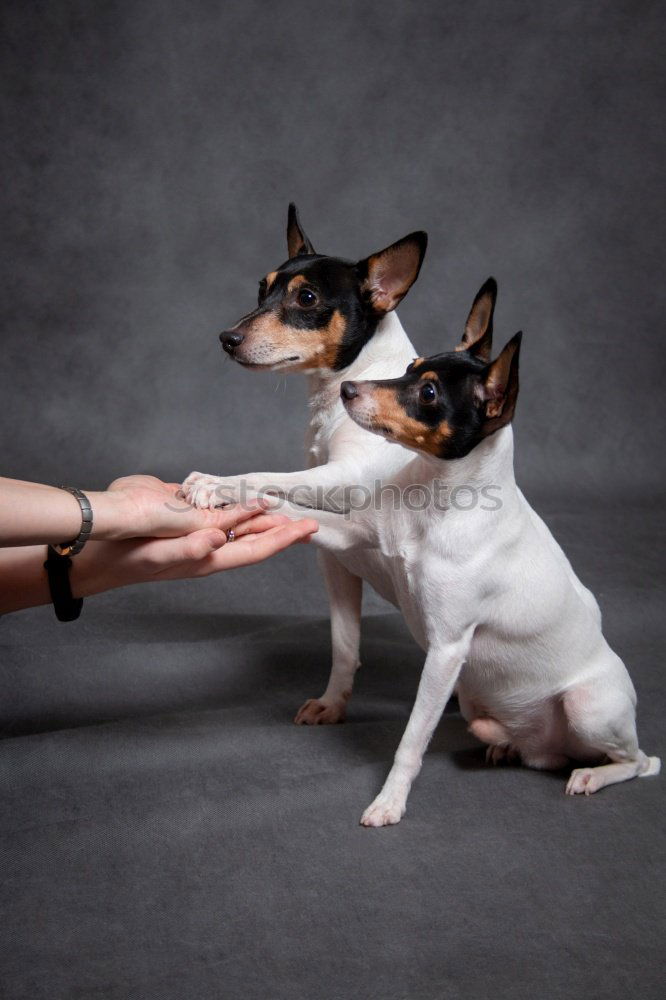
[{"x": 167, "y": 833}]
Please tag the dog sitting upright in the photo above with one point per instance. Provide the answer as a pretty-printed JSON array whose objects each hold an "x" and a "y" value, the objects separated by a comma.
[
  {"x": 333, "y": 319},
  {"x": 486, "y": 590}
]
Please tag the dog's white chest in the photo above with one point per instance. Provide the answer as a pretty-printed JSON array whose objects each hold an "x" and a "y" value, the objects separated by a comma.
[
  {"x": 317, "y": 445},
  {"x": 325, "y": 407}
]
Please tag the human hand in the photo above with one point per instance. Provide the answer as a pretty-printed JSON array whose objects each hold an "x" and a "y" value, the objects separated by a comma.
[
  {"x": 144, "y": 506},
  {"x": 142, "y": 532},
  {"x": 132, "y": 507},
  {"x": 208, "y": 551},
  {"x": 104, "y": 565}
]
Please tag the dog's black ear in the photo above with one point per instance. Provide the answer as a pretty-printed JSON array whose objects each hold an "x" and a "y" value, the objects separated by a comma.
[
  {"x": 297, "y": 241},
  {"x": 387, "y": 276},
  {"x": 478, "y": 335},
  {"x": 498, "y": 390}
]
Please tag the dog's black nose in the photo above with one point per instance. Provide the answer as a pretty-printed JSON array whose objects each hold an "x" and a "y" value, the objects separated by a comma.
[
  {"x": 230, "y": 339},
  {"x": 348, "y": 390}
]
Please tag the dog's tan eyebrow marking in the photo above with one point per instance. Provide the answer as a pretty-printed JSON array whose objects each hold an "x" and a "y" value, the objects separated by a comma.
[
  {"x": 331, "y": 338},
  {"x": 296, "y": 282},
  {"x": 444, "y": 432},
  {"x": 431, "y": 376},
  {"x": 270, "y": 278}
]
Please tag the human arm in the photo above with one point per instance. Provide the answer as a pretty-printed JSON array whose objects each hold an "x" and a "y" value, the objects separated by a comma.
[
  {"x": 104, "y": 565},
  {"x": 132, "y": 507}
]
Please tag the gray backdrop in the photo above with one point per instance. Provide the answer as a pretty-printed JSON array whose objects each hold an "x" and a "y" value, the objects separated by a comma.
[
  {"x": 150, "y": 151},
  {"x": 166, "y": 832},
  {"x": 149, "y": 154}
]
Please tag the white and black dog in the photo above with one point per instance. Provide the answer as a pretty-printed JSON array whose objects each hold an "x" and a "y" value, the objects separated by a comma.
[
  {"x": 335, "y": 320},
  {"x": 485, "y": 590}
]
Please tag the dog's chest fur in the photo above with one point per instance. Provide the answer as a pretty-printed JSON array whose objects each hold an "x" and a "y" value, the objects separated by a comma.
[{"x": 326, "y": 414}]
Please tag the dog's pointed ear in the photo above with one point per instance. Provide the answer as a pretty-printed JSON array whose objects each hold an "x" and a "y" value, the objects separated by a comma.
[
  {"x": 478, "y": 335},
  {"x": 297, "y": 241},
  {"x": 387, "y": 276},
  {"x": 498, "y": 389}
]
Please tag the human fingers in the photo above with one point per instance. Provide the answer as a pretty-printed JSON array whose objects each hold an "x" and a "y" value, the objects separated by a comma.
[
  {"x": 164, "y": 514},
  {"x": 176, "y": 557},
  {"x": 195, "y": 547},
  {"x": 254, "y": 548},
  {"x": 263, "y": 522}
]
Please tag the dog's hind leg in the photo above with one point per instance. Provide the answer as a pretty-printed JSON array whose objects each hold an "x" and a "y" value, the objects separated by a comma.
[
  {"x": 344, "y": 593},
  {"x": 489, "y": 731},
  {"x": 493, "y": 733},
  {"x": 601, "y": 717}
]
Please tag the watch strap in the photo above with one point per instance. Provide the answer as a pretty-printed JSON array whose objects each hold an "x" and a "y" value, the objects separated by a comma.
[{"x": 57, "y": 566}]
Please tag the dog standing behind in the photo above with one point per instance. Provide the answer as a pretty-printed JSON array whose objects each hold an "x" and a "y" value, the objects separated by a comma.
[{"x": 335, "y": 320}]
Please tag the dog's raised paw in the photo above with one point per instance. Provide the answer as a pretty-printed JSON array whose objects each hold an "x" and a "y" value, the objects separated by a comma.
[
  {"x": 315, "y": 712},
  {"x": 206, "y": 492},
  {"x": 383, "y": 812}
]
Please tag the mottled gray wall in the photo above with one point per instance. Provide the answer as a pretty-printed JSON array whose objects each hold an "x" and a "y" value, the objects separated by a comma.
[{"x": 150, "y": 150}]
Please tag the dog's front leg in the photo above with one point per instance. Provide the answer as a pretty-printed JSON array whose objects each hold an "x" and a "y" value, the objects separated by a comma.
[
  {"x": 344, "y": 594},
  {"x": 336, "y": 533},
  {"x": 323, "y": 486},
  {"x": 439, "y": 676}
]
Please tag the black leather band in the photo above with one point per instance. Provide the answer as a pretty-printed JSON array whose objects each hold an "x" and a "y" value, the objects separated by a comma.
[
  {"x": 74, "y": 547},
  {"x": 66, "y": 607}
]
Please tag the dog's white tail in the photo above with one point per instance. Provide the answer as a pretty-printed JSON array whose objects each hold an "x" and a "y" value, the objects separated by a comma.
[{"x": 653, "y": 767}]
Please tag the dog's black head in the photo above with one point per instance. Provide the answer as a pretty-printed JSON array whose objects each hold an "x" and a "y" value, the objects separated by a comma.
[
  {"x": 447, "y": 404},
  {"x": 317, "y": 312}
]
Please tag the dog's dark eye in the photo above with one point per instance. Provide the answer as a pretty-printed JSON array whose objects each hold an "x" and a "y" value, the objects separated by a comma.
[
  {"x": 306, "y": 297},
  {"x": 428, "y": 393}
]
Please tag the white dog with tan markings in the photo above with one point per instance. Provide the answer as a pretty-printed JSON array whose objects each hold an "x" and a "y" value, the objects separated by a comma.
[
  {"x": 488, "y": 593},
  {"x": 335, "y": 320}
]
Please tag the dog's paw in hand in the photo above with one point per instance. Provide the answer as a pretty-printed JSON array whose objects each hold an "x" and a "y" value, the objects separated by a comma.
[
  {"x": 386, "y": 810},
  {"x": 207, "y": 492},
  {"x": 316, "y": 712}
]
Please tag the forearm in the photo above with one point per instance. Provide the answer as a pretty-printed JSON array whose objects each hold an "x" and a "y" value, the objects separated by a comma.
[
  {"x": 318, "y": 476},
  {"x": 24, "y": 583},
  {"x": 105, "y": 565},
  {"x": 33, "y": 513}
]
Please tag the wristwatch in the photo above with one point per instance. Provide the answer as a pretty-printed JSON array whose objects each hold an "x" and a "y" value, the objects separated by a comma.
[{"x": 58, "y": 563}]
